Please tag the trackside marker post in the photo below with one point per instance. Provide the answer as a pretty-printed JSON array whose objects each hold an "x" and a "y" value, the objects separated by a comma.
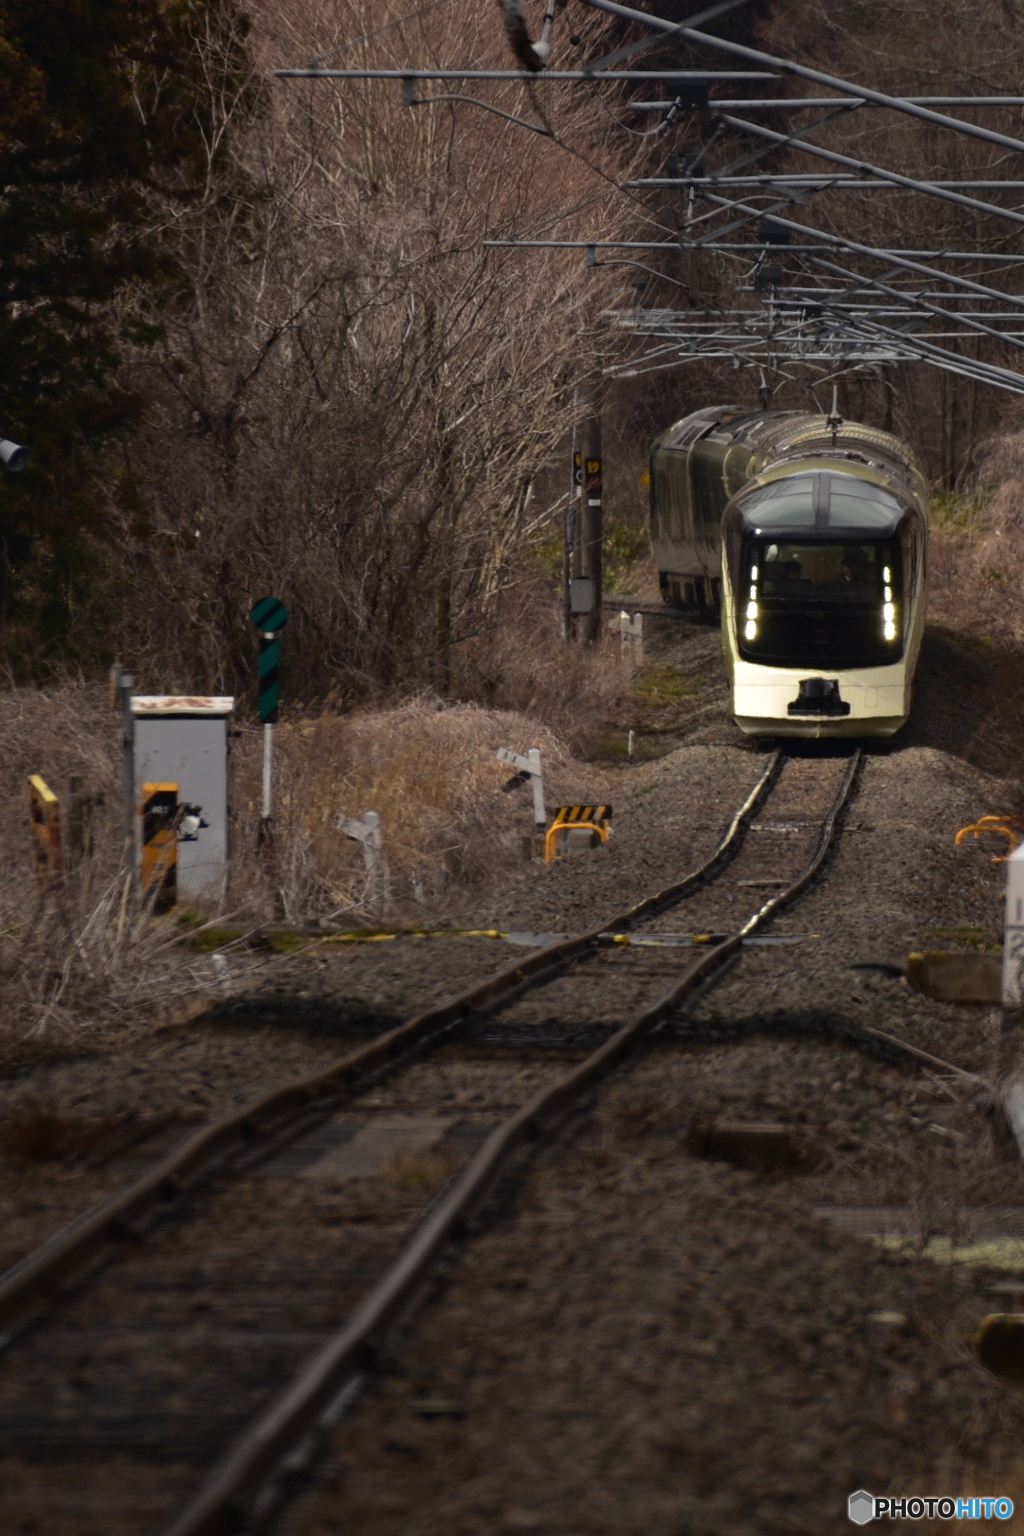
[
  {"x": 269, "y": 616},
  {"x": 44, "y": 811},
  {"x": 527, "y": 768},
  {"x": 1013, "y": 942},
  {"x": 368, "y": 832},
  {"x": 122, "y": 686},
  {"x": 631, "y": 631},
  {"x": 1013, "y": 990}
]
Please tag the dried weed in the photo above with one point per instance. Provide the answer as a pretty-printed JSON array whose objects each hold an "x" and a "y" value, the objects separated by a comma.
[
  {"x": 431, "y": 774},
  {"x": 38, "y": 1134},
  {"x": 78, "y": 955},
  {"x": 420, "y": 1172}
]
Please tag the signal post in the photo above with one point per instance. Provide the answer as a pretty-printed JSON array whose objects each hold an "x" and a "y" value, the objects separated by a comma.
[{"x": 269, "y": 616}]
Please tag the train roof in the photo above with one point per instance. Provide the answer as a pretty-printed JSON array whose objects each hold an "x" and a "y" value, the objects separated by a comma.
[{"x": 778, "y": 436}]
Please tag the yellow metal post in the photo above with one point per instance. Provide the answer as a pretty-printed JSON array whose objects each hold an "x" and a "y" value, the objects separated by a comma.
[
  {"x": 44, "y": 809},
  {"x": 159, "y": 812}
]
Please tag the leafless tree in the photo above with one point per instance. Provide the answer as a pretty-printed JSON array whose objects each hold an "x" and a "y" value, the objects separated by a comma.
[{"x": 353, "y": 396}]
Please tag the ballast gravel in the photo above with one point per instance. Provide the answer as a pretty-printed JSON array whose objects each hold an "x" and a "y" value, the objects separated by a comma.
[
  {"x": 647, "y": 1343},
  {"x": 642, "y": 1340}
]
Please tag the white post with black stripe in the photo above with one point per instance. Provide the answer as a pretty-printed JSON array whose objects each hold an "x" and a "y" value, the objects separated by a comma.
[{"x": 527, "y": 769}]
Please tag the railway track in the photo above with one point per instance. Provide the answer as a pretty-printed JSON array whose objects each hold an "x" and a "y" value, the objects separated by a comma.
[{"x": 184, "y": 1355}]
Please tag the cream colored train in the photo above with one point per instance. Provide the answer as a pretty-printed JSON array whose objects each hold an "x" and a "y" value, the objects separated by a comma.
[{"x": 810, "y": 534}]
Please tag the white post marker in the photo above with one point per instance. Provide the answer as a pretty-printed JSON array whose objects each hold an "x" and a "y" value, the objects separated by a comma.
[
  {"x": 530, "y": 767},
  {"x": 366, "y": 832},
  {"x": 268, "y": 766},
  {"x": 631, "y": 637},
  {"x": 1013, "y": 981}
]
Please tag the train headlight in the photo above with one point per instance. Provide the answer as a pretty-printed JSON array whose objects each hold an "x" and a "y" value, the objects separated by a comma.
[
  {"x": 751, "y": 610},
  {"x": 750, "y": 629}
]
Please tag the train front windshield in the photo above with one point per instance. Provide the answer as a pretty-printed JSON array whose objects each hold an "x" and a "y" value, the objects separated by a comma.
[{"x": 828, "y": 605}]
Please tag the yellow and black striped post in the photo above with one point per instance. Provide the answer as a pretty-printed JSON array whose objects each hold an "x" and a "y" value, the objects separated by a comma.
[
  {"x": 159, "y": 812},
  {"x": 571, "y": 818},
  {"x": 44, "y": 810}
]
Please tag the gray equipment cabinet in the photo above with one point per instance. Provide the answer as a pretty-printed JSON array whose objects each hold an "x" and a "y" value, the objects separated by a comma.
[{"x": 186, "y": 741}]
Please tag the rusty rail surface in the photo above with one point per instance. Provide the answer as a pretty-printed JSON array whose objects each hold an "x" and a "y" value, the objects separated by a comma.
[
  {"x": 220, "y": 1500},
  {"x": 35, "y": 1279}
]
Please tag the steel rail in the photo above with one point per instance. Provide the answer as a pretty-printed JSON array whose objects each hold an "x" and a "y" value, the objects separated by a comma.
[
  {"x": 860, "y": 93},
  {"x": 217, "y": 1503},
  {"x": 35, "y": 1279}
]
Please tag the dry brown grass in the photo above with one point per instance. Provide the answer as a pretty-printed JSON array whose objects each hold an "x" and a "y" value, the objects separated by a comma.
[
  {"x": 77, "y": 956},
  {"x": 419, "y": 1172},
  {"x": 39, "y": 1135},
  {"x": 430, "y": 772},
  {"x": 977, "y": 545}
]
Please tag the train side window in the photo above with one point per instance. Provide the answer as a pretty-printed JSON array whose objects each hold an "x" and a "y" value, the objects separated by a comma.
[
  {"x": 681, "y": 513},
  {"x": 661, "y": 501},
  {"x": 670, "y": 506},
  {"x": 709, "y": 492}
]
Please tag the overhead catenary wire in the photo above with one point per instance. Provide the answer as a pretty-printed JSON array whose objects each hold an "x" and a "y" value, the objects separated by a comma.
[{"x": 787, "y": 67}]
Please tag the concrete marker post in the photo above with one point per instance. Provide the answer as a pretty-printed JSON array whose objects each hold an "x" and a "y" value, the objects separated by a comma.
[
  {"x": 1011, "y": 1066},
  {"x": 369, "y": 833},
  {"x": 269, "y": 616},
  {"x": 529, "y": 767},
  {"x": 125, "y": 686}
]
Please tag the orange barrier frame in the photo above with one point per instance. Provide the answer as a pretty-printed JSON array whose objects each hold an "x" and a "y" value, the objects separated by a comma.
[
  {"x": 571, "y": 818},
  {"x": 1010, "y": 827}
]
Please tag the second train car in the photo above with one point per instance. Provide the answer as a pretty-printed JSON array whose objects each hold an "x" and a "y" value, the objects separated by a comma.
[{"x": 810, "y": 534}]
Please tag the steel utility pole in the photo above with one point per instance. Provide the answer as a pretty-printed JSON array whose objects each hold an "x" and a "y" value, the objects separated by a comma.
[
  {"x": 591, "y": 516},
  {"x": 569, "y": 563}
]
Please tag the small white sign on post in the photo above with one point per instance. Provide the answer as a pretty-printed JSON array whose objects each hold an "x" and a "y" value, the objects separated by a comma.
[
  {"x": 631, "y": 637},
  {"x": 529, "y": 767}
]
